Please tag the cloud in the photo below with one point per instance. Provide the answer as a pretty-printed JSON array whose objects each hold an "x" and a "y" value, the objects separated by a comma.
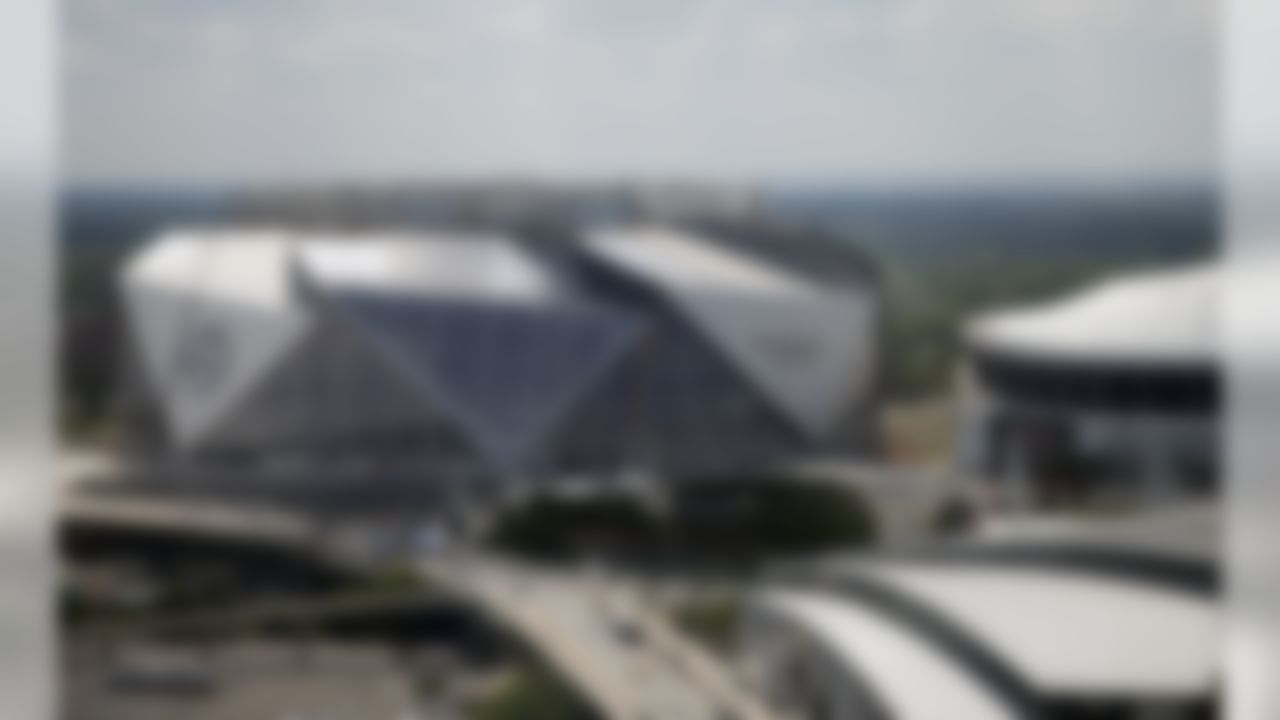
[{"x": 740, "y": 89}]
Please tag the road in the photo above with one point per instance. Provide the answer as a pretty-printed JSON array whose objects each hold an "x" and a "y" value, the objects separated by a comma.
[{"x": 601, "y": 633}]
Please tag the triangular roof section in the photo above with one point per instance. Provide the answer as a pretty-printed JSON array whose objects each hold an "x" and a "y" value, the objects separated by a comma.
[
  {"x": 333, "y": 384},
  {"x": 505, "y": 371},
  {"x": 212, "y": 314},
  {"x": 806, "y": 346}
]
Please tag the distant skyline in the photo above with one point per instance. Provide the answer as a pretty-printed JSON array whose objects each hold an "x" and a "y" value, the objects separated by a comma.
[{"x": 856, "y": 91}]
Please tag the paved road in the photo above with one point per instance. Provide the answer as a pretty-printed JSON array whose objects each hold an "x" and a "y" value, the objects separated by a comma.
[{"x": 600, "y": 633}]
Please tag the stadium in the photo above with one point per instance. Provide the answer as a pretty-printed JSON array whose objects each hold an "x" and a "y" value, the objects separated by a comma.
[
  {"x": 1107, "y": 397},
  {"x": 374, "y": 360}
]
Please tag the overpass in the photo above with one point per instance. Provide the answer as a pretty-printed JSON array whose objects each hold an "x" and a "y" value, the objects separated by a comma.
[
  {"x": 600, "y": 633},
  {"x": 604, "y": 635}
]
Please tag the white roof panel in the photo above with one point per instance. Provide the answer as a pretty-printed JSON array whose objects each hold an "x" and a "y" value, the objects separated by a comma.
[
  {"x": 473, "y": 266},
  {"x": 807, "y": 347},
  {"x": 243, "y": 266},
  {"x": 212, "y": 311},
  {"x": 1156, "y": 316},
  {"x": 677, "y": 259}
]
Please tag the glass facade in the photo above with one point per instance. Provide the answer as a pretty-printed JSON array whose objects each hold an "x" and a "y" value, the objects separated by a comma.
[
  {"x": 1058, "y": 434},
  {"x": 334, "y": 400},
  {"x": 1107, "y": 387},
  {"x": 605, "y": 375},
  {"x": 506, "y": 370},
  {"x": 675, "y": 404}
]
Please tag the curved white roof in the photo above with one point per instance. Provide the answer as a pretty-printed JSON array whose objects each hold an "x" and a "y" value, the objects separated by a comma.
[
  {"x": 1072, "y": 634},
  {"x": 1162, "y": 316},
  {"x": 913, "y": 679}
]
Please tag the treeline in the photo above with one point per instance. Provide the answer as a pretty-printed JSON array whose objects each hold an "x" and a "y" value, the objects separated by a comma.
[{"x": 949, "y": 255}]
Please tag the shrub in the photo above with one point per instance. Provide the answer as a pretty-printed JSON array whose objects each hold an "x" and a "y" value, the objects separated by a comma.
[
  {"x": 532, "y": 692},
  {"x": 750, "y": 519},
  {"x": 549, "y": 528},
  {"x": 713, "y": 621},
  {"x": 726, "y": 522}
]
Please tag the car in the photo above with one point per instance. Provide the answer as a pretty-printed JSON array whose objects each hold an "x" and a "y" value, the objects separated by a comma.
[{"x": 627, "y": 631}]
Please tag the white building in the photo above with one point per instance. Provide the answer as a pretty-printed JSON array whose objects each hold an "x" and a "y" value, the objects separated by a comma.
[
  {"x": 1092, "y": 621},
  {"x": 1110, "y": 396}
]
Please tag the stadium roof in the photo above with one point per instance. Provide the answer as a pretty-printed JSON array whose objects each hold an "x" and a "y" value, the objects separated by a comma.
[
  {"x": 804, "y": 344},
  {"x": 912, "y": 678},
  {"x": 252, "y": 266},
  {"x": 997, "y": 641},
  {"x": 681, "y": 261},
  {"x": 215, "y": 310},
  {"x": 1071, "y": 633},
  {"x": 487, "y": 267},
  {"x": 243, "y": 266},
  {"x": 212, "y": 311},
  {"x": 1164, "y": 316},
  {"x": 1113, "y": 622}
]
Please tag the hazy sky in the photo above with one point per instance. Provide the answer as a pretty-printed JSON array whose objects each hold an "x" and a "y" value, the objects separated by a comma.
[{"x": 802, "y": 90}]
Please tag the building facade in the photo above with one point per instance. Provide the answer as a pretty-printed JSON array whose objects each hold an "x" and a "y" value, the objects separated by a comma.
[
  {"x": 408, "y": 358},
  {"x": 1107, "y": 397}
]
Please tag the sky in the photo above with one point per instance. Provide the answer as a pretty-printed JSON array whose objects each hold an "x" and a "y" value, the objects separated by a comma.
[{"x": 802, "y": 91}]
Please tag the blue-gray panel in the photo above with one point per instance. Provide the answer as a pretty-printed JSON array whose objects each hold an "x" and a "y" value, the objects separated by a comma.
[
  {"x": 506, "y": 368},
  {"x": 333, "y": 396}
]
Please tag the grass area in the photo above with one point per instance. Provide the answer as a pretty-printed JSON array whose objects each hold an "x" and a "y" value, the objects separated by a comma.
[
  {"x": 391, "y": 581},
  {"x": 529, "y": 692},
  {"x": 920, "y": 433},
  {"x": 554, "y": 528},
  {"x": 713, "y": 621}
]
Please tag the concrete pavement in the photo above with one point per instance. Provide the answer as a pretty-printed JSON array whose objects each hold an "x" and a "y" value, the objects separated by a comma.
[{"x": 600, "y": 633}]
